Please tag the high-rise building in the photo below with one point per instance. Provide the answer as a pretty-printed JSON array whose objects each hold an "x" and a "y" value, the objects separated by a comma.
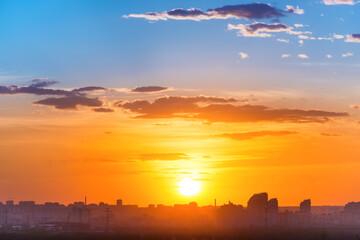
[
  {"x": 258, "y": 202},
  {"x": 305, "y": 206},
  {"x": 119, "y": 202}
]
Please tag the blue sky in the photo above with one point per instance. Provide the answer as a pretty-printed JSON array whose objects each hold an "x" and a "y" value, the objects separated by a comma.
[{"x": 90, "y": 42}]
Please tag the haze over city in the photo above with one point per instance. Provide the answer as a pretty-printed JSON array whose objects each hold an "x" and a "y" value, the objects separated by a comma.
[{"x": 171, "y": 102}]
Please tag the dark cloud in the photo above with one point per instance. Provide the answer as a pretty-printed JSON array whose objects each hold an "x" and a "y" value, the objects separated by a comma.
[
  {"x": 103, "y": 110},
  {"x": 88, "y": 89},
  {"x": 164, "y": 157},
  {"x": 214, "y": 109},
  {"x": 70, "y": 102},
  {"x": 251, "y": 135},
  {"x": 246, "y": 11},
  {"x": 40, "y": 83},
  {"x": 12, "y": 90},
  {"x": 149, "y": 89}
]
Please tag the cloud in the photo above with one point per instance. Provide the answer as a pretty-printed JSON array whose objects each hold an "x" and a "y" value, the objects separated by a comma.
[
  {"x": 354, "y": 38},
  {"x": 294, "y": 10},
  {"x": 259, "y": 29},
  {"x": 13, "y": 90},
  {"x": 70, "y": 102},
  {"x": 243, "y": 55},
  {"x": 303, "y": 56},
  {"x": 329, "y": 56},
  {"x": 88, "y": 89},
  {"x": 37, "y": 88},
  {"x": 338, "y": 36},
  {"x": 245, "y": 11},
  {"x": 251, "y": 135},
  {"x": 283, "y": 40},
  {"x": 149, "y": 89},
  {"x": 338, "y": 2},
  {"x": 303, "y": 37},
  {"x": 285, "y": 55},
  {"x": 213, "y": 109},
  {"x": 349, "y": 54},
  {"x": 103, "y": 110},
  {"x": 42, "y": 82},
  {"x": 355, "y": 106},
  {"x": 330, "y": 135},
  {"x": 164, "y": 157},
  {"x": 297, "y": 25}
]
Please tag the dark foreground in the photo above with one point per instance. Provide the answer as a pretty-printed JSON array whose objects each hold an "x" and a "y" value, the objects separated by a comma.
[{"x": 249, "y": 234}]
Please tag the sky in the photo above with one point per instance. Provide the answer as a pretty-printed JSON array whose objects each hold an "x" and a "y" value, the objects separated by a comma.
[{"x": 128, "y": 99}]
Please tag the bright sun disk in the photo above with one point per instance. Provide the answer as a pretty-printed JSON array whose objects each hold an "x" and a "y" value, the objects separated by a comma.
[{"x": 189, "y": 187}]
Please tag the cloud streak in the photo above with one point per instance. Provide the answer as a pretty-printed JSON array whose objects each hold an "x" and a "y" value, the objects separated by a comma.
[
  {"x": 211, "y": 109},
  {"x": 259, "y": 29},
  {"x": 149, "y": 89},
  {"x": 245, "y": 11},
  {"x": 70, "y": 102},
  {"x": 251, "y": 135}
]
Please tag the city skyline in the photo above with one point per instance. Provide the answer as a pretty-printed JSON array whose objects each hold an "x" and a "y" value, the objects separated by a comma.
[{"x": 178, "y": 101}]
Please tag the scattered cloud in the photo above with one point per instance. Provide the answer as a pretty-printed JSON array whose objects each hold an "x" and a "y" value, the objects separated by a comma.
[
  {"x": 259, "y": 29},
  {"x": 349, "y": 54},
  {"x": 42, "y": 82},
  {"x": 149, "y": 89},
  {"x": 103, "y": 110},
  {"x": 355, "y": 106},
  {"x": 251, "y": 135},
  {"x": 303, "y": 56},
  {"x": 214, "y": 109},
  {"x": 163, "y": 157},
  {"x": 338, "y": 36},
  {"x": 329, "y": 56},
  {"x": 294, "y": 10},
  {"x": 283, "y": 40},
  {"x": 243, "y": 55},
  {"x": 354, "y": 38},
  {"x": 338, "y": 2},
  {"x": 69, "y": 102},
  {"x": 297, "y": 25},
  {"x": 285, "y": 55},
  {"x": 245, "y": 11}
]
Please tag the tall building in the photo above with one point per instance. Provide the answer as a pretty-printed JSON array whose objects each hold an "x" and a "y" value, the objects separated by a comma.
[
  {"x": 119, "y": 202},
  {"x": 305, "y": 206},
  {"x": 258, "y": 202}
]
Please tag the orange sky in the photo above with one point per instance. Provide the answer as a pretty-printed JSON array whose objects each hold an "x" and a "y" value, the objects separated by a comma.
[{"x": 56, "y": 155}]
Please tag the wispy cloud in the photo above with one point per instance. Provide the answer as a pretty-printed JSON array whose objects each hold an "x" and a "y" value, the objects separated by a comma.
[
  {"x": 259, "y": 29},
  {"x": 339, "y": 2},
  {"x": 294, "y": 10},
  {"x": 349, "y": 54},
  {"x": 251, "y": 135}
]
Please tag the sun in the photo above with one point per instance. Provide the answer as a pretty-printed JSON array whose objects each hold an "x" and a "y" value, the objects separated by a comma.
[{"x": 189, "y": 187}]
